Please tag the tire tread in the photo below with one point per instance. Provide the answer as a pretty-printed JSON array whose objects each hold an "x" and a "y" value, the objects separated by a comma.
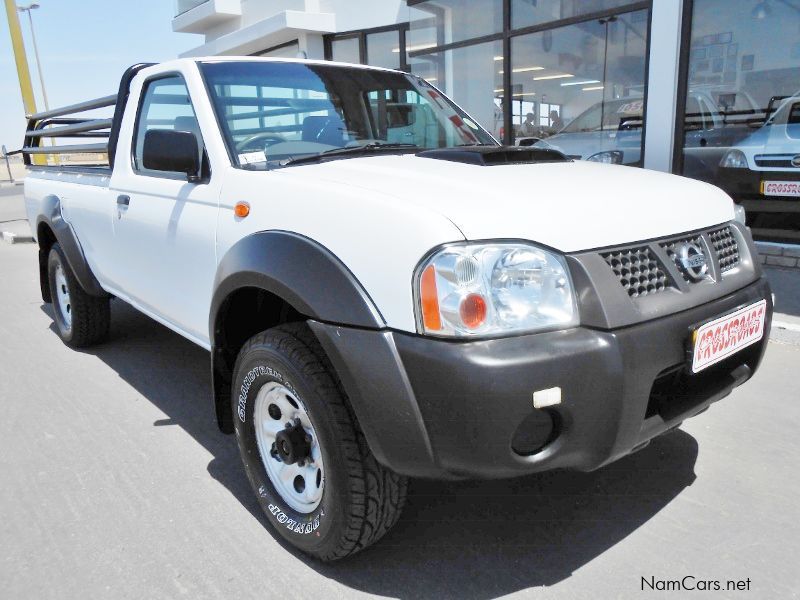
[
  {"x": 377, "y": 494},
  {"x": 91, "y": 315}
]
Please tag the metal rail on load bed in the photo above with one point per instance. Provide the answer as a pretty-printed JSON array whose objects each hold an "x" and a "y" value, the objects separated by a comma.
[
  {"x": 62, "y": 123},
  {"x": 53, "y": 124}
]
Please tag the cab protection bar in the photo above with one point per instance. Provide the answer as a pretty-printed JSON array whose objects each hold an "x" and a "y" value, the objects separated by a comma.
[{"x": 62, "y": 123}]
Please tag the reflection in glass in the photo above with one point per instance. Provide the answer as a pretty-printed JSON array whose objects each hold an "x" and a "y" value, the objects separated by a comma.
[
  {"x": 525, "y": 13},
  {"x": 440, "y": 22},
  {"x": 383, "y": 49},
  {"x": 275, "y": 114},
  {"x": 346, "y": 50},
  {"x": 580, "y": 88},
  {"x": 743, "y": 108},
  {"x": 472, "y": 75}
]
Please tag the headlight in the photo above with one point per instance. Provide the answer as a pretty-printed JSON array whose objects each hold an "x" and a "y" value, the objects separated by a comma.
[
  {"x": 468, "y": 290},
  {"x": 610, "y": 157},
  {"x": 734, "y": 159}
]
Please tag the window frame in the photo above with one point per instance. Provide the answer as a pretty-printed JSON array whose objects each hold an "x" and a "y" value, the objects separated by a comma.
[
  {"x": 683, "y": 86},
  {"x": 205, "y": 164},
  {"x": 363, "y": 48}
]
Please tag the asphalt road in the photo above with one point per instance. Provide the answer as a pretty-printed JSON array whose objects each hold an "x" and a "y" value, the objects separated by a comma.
[{"x": 115, "y": 483}]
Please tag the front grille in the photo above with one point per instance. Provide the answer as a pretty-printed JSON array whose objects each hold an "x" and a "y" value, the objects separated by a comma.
[
  {"x": 638, "y": 271},
  {"x": 726, "y": 247},
  {"x": 669, "y": 248},
  {"x": 781, "y": 161},
  {"x": 652, "y": 267}
]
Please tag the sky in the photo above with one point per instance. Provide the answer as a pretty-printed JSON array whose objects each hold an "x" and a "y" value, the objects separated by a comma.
[{"x": 84, "y": 46}]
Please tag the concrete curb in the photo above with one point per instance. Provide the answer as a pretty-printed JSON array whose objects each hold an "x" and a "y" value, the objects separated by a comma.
[
  {"x": 779, "y": 255},
  {"x": 16, "y": 232},
  {"x": 16, "y": 238}
]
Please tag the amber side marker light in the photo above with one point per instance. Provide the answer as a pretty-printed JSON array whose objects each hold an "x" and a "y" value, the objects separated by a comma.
[
  {"x": 241, "y": 210},
  {"x": 429, "y": 300}
]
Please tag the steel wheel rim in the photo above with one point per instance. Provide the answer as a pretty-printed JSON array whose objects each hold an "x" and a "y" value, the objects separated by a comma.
[
  {"x": 62, "y": 297},
  {"x": 286, "y": 478}
]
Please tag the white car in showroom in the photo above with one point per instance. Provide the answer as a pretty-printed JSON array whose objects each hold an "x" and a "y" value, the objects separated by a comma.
[{"x": 767, "y": 163}]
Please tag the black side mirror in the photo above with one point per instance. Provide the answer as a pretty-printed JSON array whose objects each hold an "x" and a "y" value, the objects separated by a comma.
[{"x": 173, "y": 151}]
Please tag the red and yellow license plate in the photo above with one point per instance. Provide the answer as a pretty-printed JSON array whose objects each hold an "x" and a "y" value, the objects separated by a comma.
[
  {"x": 780, "y": 188},
  {"x": 720, "y": 338}
]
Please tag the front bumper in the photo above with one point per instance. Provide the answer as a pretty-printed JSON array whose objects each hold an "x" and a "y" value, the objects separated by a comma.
[{"x": 445, "y": 409}]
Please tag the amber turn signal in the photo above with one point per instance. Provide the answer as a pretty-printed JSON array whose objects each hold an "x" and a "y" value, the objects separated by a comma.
[
  {"x": 241, "y": 209},
  {"x": 429, "y": 300}
]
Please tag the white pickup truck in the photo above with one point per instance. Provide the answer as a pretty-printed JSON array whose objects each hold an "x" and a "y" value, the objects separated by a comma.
[{"x": 386, "y": 292}]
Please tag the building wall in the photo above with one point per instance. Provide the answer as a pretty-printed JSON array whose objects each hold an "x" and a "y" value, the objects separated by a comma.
[{"x": 263, "y": 24}]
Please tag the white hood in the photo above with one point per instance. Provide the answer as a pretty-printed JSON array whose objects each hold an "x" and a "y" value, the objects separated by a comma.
[{"x": 567, "y": 206}]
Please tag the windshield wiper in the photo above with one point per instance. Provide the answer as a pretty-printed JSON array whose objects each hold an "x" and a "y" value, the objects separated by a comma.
[{"x": 365, "y": 148}]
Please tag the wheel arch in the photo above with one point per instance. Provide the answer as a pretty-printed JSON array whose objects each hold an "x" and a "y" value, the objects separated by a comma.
[
  {"x": 51, "y": 228},
  {"x": 270, "y": 278}
]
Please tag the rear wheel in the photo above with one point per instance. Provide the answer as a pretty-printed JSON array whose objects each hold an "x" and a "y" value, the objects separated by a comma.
[
  {"x": 81, "y": 319},
  {"x": 304, "y": 454}
]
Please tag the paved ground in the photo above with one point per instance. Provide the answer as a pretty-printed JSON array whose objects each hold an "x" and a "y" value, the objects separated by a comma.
[
  {"x": 12, "y": 205},
  {"x": 114, "y": 482}
]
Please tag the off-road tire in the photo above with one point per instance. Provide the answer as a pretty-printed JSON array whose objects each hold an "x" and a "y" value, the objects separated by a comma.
[
  {"x": 90, "y": 315},
  {"x": 361, "y": 499}
]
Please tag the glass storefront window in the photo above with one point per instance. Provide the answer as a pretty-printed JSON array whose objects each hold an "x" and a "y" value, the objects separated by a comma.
[
  {"x": 383, "y": 49},
  {"x": 742, "y": 108},
  {"x": 525, "y": 13},
  {"x": 586, "y": 84},
  {"x": 472, "y": 76},
  {"x": 440, "y": 22},
  {"x": 346, "y": 50}
]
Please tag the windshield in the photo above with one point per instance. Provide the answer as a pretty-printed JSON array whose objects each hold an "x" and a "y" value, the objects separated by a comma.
[
  {"x": 614, "y": 115},
  {"x": 273, "y": 112}
]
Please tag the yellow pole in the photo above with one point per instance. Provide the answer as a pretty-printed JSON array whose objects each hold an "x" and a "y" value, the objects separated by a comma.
[
  {"x": 25, "y": 86},
  {"x": 28, "y": 100}
]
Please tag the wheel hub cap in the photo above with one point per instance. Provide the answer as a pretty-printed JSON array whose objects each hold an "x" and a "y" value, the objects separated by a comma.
[
  {"x": 292, "y": 444},
  {"x": 62, "y": 297},
  {"x": 289, "y": 447}
]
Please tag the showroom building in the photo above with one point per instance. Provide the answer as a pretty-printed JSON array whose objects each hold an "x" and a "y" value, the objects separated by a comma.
[{"x": 709, "y": 89}]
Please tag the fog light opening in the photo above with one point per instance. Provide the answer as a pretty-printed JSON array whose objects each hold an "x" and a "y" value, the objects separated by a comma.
[{"x": 536, "y": 431}]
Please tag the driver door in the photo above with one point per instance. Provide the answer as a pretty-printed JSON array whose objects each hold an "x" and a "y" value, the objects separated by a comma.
[{"x": 164, "y": 225}]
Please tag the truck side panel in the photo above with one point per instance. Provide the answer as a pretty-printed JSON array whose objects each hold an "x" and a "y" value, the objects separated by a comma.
[{"x": 81, "y": 203}]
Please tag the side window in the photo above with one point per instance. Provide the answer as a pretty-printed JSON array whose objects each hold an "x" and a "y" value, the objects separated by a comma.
[{"x": 166, "y": 105}]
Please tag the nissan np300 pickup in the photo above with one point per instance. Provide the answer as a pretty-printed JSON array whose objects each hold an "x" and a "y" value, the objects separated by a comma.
[{"x": 386, "y": 292}]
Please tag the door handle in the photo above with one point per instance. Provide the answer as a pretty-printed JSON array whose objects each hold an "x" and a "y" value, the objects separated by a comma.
[{"x": 123, "y": 200}]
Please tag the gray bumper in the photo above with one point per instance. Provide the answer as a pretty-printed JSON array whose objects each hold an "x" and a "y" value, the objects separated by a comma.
[{"x": 436, "y": 408}]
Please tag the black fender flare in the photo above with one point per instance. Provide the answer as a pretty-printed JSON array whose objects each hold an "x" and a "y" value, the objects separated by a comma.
[
  {"x": 301, "y": 272},
  {"x": 50, "y": 215}
]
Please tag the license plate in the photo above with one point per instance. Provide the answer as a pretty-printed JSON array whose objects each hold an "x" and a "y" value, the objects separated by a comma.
[
  {"x": 720, "y": 338},
  {"x": 780, "y": 188}
]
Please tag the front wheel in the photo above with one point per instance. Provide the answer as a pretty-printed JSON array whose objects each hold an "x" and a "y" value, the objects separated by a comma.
[{"x": 303, "y": 452}]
